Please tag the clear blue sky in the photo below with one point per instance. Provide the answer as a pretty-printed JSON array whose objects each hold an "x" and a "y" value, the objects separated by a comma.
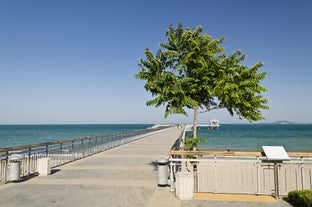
[{"x": 70, "y": 61}]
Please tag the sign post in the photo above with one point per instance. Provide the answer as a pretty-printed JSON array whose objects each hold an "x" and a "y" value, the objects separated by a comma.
[{"x": 275, "y": 154}]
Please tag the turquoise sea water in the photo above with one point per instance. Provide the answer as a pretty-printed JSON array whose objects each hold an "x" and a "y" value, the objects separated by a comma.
[
  {"x": 250, "y": 137},
  {"x": 17, "y": 135},
  {"x": 236, "y": 137}
]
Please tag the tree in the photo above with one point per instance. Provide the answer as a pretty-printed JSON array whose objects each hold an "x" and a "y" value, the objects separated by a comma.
[{"x": 191, "y": 70}]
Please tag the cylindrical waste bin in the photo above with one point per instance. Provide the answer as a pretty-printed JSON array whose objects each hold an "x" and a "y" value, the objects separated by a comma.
[
  {"x": 14, "y": 170},
  {"x": 162, "y": 171},
  {"x": 44, "y": 166},
  {"x": 185, "y": 185}
]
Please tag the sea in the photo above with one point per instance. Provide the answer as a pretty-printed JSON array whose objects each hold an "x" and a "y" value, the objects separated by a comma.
[
  {"x": 251, "y": 137},
  {"x": 236, "y": 137},
  {"x": 18, "y": 135}
]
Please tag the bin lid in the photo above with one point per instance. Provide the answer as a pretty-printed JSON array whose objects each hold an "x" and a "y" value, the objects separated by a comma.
[
  {"x": 162, "y": 160},
  {"x": 15, "y": 157}
]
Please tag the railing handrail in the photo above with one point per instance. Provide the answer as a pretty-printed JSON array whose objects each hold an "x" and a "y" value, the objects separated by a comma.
[
  {"x": 177, "y": 143},
  {"x": 21, "y": 147},
  {"x": 239, "y": 159},
  {"x": 231, "y": 153}
]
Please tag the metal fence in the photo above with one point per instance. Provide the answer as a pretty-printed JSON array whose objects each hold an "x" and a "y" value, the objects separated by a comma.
[
  {"x": 61, "y": 152},
  {"x": 245, "y": 175}
]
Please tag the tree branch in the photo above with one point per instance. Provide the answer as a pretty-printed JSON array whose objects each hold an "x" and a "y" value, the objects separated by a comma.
[{"x": 213, "y": 108}]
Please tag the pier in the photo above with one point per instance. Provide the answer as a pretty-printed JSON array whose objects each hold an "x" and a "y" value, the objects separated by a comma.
[
  {"x": 189, "y": 127},
  {"x": 122, "y": 176}
]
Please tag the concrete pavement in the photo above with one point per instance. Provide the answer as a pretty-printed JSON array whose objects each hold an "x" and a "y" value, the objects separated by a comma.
[{"x": 123, "y": 176}]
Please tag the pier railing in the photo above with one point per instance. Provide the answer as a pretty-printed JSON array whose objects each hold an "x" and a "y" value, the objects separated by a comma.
[
  {"x": 64, "y": 151},
  {"x": 179, "y": 142},
  {"x": 242, "y": 173},
  {"x": 237, "y": 172}
]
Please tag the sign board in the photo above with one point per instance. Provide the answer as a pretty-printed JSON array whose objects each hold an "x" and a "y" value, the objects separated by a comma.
[{"x": 275, "y": 153}]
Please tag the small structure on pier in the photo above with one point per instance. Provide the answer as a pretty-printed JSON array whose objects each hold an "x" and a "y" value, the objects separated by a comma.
[{"x": 214, "y": 124}]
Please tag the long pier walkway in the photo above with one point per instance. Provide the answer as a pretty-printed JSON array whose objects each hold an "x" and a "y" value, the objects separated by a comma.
[{"x": 123, "y": 176}]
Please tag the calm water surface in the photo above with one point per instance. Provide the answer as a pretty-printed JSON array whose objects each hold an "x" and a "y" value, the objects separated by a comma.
[
  {"x": 236, "y": 137},
  {"x": 250, "y": 137},
  {"x": 16, "y": 135}
]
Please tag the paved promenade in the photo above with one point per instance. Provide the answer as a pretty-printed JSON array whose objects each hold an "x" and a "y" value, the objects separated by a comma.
[{"x": 124, "y": 176}]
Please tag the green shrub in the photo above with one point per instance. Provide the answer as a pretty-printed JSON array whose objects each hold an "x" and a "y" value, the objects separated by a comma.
[
  {"x": 300, "y": 198},
  {"x": 191, "y": 143}
]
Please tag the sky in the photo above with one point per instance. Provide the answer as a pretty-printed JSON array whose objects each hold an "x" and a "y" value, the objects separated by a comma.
[{"x": 73, "y": 61}]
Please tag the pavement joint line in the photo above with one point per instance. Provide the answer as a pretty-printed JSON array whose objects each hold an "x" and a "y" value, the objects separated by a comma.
[
  {"x": 134, "y": 168},
  {"x": 93, "y": 182},
  {"x": 136, "y": 149},
  {"x": 140, "y": 149},
  {"x": 124, "y": 155}
]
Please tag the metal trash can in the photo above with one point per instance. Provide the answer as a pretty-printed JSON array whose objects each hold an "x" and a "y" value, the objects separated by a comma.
[
  {"x": 14, "y": 170},
  {"x": 162, "y": 171}
]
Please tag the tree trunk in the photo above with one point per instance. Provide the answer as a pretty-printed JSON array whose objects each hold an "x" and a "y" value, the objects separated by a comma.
[{"x": 195, "y": 122}]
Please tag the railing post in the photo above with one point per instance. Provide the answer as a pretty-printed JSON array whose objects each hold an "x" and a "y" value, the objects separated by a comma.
[
  {"x": 96, "y": 145},
  {"x": 28, "y": 162},
  {"x": 276, "y": 181},
  {"x": 258, "y": 176},
  {"x": 73, "y": 153},
  {"x": 111, "y": 141},
  {"x": 302, "y": 172},
  {"x": 6, "y": 166},
  {"x": 216, "y": 174},
  {"x": 82, "y": 147},
  {"x": 171, "y": 175},
  {"x": 61, "y": 157},
  {"x": 102, "y": 143},
  {"x": 89, "y": 146},
  {"x": 47, "y": 151}
]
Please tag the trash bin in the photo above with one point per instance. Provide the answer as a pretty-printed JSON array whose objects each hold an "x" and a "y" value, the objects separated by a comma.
[
  {"x": 162, "y": 171},
  {"x": 44, "y": 166},
  {"x": 185, "y": 185},
  {"x": 14, "y": 171}
]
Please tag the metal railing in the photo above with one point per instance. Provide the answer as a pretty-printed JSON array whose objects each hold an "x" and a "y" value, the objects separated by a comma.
[
  {"x": 240, "y": 172},
  {"x": 245, "y": 175},
  {"x": 65, "y": 151},
  {"x": 179, "y": 142}
]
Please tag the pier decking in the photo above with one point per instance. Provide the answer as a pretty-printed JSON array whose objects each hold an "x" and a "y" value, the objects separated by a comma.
[{"x": 123, "y": 176}]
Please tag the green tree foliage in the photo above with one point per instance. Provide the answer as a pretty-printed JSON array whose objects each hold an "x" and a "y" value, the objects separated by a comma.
[
  {"x": 191, "y": 70},
  {"x": 190, "y": 143}
]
